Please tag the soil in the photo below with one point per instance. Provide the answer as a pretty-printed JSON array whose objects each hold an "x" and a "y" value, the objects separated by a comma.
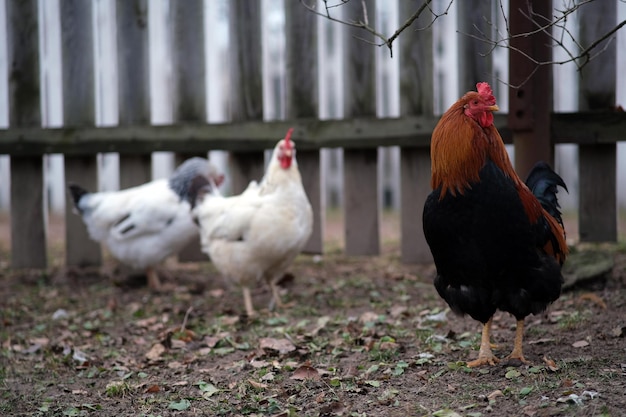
[{"x": 362, "y": 336}]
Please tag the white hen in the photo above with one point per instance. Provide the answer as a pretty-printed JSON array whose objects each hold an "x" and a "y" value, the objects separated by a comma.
[
  {"x": 257, "y": 234},
  {"x": 142, "y": 226}
]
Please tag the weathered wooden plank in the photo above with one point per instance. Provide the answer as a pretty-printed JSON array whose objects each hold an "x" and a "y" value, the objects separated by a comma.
[
  {"x": 362, "y": 234},
  {"x": 78, "y": 110},
  {"x": 246, "y": 72},
  {"x": 530, "y": 104},
  {"x": 354, "y": 133},
  {"x": 28, "y": 234},
  {"x": 133, "y": 83},
  {"x": 416, "y": 98},
  {"x": 474, "y": 19},
  {"x": 597, "y": 220},
  {"x": 302, "y": 102},
  {"x": 597, "y": 164},
  {"x": 189, "y": 83}
]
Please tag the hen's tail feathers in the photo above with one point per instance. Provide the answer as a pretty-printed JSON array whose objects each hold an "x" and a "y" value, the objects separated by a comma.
[
  {"x": 198, "y": 188},
  {"x": 77, "y": 193},
  {"x": 543, "y": 182}
]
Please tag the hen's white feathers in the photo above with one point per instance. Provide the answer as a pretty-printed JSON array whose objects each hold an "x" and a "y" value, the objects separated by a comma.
[
  {"x": 143, "y": 225},
  {"x": 258, "y": 233}
]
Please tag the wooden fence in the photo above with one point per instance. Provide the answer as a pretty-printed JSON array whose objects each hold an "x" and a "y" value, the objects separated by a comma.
[{"x": 530, "y": 124}]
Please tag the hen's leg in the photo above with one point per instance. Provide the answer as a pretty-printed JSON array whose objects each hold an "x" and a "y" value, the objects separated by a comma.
[
  {"x": 276, "y": 301},
  {"x": 153, "y": 279},
  {"x": 485, "y": 355},
  {"x": 247, "y": 300},
  {"x": 517, "y": 347}
]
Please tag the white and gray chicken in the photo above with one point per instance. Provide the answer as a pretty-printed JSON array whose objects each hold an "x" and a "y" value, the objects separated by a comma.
[
  {"x": 142, "y": 226},
  {"x": 256, "y": 235}
]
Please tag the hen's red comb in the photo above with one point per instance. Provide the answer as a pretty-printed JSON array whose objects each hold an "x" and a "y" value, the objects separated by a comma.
[
  {"x": 288, "y": 136},
  {"x": 485, "y": 92}
]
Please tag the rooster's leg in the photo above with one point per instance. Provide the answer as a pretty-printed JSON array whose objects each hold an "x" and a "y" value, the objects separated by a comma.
[
  {"x": 247, "y": 300},
  {"x": 485, "y": 355},
  {"x": 153, "y": 279},
  {"x": 517, "y": 347}
]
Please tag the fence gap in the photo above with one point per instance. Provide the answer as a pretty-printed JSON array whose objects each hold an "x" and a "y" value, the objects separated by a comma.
[
  {"x": 78, "y": 110},
  {"x": 597, "y": 162},
  {"x": 189, "y": 83},
  {"x": 302, "y": 102},
  {"x": 361, "y": 212},
  {"x": 133, "y": 66},
  {"x": 416, "y": 98}
]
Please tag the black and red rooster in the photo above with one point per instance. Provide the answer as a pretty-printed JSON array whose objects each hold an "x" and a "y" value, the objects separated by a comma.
[{"x": 498, "y": 243}]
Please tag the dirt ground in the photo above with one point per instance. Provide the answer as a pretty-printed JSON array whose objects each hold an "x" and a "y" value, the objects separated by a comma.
[{"x": 363, "y": 336}]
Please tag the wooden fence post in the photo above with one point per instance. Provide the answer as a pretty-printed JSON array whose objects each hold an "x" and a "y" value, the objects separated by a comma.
[
  {"x": 416, "y": 98},
  {"x": 78, "y": 110},
  {"x": 133, "y": 74},
  {"x": 189, "y": 83},
  {"x": 597, "y": 162},
  {"x": 302, "y": 102},
  {"x": 361, "y": 210},
  {"x": 530, "y": 105},
  {"x": 28, "y": 233},
  {"x": 246, "y": 85}
]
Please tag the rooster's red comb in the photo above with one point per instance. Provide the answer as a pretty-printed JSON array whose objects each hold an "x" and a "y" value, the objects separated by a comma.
[
  {"x": 485, "y": 92},
  {"x": 288, "y": 136}
]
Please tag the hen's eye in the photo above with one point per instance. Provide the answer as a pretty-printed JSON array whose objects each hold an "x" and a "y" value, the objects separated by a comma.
[{"x": 475, "y": 102}]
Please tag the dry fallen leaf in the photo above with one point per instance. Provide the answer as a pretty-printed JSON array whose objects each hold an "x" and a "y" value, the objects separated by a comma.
[
  {"x": 152, "y": 389},
  {"x": 257, "y": 384},
  {"x": 306, "y": 372},
  {"x": 495, "y": 394},
  {"x": 580, "y": 344},
  {"x": 550, "y": 364},
  {"x": 594, "y": 299},
  {"x": 154, "y": 354},
  {"x": 283, "y": 346},
  {"x": 368, "y": 317}
]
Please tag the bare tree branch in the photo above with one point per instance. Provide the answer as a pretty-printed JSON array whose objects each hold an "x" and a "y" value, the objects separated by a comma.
[
  {"x": 364, "y": 24},
  {"x": 557, "y": 29}
]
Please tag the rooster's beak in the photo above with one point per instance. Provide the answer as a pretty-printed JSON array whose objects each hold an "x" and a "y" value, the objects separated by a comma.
[{"x": 493, "y": 108}]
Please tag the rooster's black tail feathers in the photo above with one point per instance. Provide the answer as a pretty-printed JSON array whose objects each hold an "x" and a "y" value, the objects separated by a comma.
[{"x": 543, "y": 182}]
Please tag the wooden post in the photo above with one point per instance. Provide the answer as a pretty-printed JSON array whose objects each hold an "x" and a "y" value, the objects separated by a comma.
[
  {"x": 474, "y": 18},
  {"x": 189, "y": 83},
  {"x": 302, "y": 102},
  {"x": 416, "y": 98},
  {"x": 78, "y": 110},
  {"x": 597, "y": 163},
  {"x": 360, "y": 178},
  {"x": 28, "y": 233},
  {"x": 133, "y": 83},
  {"x": 530, "y": 104},
  {"x": 246, "y": 85}
]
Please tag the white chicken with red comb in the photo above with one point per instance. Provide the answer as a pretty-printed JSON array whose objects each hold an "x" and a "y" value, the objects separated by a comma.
[{"x": 256, "y": 235}]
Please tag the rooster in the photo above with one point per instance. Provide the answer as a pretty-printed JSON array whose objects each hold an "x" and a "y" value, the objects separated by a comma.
[
  {"x": 257, "y": 234},
  {"x": 497, "y": 243},
  {"x": 142, "y": 226}
]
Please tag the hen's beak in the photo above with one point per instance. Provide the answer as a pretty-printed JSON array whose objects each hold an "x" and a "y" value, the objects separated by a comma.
[{"x": 493, "y": 108}]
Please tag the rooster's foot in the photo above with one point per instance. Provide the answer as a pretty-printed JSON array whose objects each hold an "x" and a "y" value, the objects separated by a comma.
[{"x": 483, "y": 360}]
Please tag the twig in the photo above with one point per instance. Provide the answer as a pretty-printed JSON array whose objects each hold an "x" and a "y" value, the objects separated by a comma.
[{"x": 182, "y": 326}]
